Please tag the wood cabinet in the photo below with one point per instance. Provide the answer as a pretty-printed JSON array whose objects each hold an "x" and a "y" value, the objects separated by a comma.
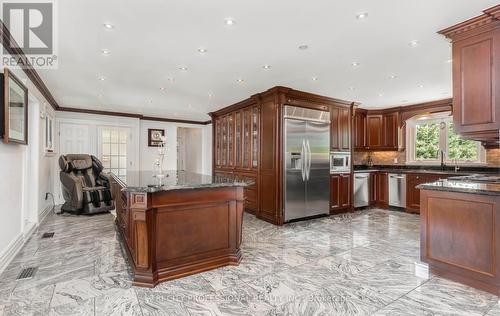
[
  {"x": 359, "y": 130},
  {"x": 340, "y": 138},
  {"x": 249, "y": 133},
  {"x": 235, "y": 143},
  {"x": 390, "y": 130},
  {"x": 476, "y": 75},
  {"x": 374, "y": 135},
  {"x": 382, "y": 184},
  {"x": 413, "y": 194},
  {"x": 340, "y": 192}
]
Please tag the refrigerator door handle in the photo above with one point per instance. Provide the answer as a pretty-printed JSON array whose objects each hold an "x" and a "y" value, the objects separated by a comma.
[
  {"x": 303, "y": 158},
  {"x": 309, "y": 160}
]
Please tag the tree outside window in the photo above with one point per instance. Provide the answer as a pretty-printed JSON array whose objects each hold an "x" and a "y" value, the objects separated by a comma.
[{"x": 432, "y": 135}]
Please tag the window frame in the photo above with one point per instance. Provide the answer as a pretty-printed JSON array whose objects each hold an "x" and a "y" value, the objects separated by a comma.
[{"x": 445, "y": 117}]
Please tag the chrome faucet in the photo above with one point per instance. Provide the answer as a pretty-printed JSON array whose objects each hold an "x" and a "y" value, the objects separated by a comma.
[
  {"x": 440, "y": 152},
  {"x": 456, "y": 165}
]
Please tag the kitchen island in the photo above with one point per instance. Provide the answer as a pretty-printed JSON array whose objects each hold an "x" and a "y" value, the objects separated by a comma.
[
  {"x": 460, "y": 230},
  {"x": 179, "y": 224}
]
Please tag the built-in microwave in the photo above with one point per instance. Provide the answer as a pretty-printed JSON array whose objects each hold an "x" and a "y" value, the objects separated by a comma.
[{"x": 340, "y": 162}]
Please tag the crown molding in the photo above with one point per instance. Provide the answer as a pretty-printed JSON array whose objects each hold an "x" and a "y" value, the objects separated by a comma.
[{"x": 488, "y": 20}]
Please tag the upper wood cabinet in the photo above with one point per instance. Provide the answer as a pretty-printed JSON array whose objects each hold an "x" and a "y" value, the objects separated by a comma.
[
  {"x": 359, "y": 129},
  {"x": 476, "y": 75},
  {"x": 340, "y": 128},
  {"x": 374, "y": 134},
  {"x": 376, "y": 130}
]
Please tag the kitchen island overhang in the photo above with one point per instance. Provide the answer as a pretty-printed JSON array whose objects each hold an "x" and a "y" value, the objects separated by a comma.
[{"x": 178, "y": 225}]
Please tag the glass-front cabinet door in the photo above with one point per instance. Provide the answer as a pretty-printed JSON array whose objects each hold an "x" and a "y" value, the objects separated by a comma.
[
  {"x": 217, "y": 142},
  {"x": 224, "y": 142},
  {"x": 247, "y": 137},
  {"x": 230, "y": 140},
  {"x": 255, "y": 136},
  {"x": 237, "y": 138}
]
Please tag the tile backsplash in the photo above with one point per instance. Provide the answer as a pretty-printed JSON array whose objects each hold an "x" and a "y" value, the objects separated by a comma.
[{"x": 388, "y": 157}]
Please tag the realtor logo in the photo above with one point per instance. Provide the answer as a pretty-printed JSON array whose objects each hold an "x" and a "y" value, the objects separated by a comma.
[{"x": 32, "y": 28}]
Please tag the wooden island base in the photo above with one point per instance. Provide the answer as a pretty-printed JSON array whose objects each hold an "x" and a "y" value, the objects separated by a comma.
[
  {"x": 460, "y": 237},
  {"x": 176, "y": 233}
]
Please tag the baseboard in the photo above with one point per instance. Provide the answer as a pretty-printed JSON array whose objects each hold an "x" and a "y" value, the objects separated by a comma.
[
  {"x": 11, "y": 251},
  {"x": 43, "y": 215},
  {"x": 17, "y": 244}
]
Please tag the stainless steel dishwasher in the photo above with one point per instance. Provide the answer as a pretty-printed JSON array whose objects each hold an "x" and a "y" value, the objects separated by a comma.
[
  {"x": 361, "y": 189},
  {"x": 397, "y": 189}
]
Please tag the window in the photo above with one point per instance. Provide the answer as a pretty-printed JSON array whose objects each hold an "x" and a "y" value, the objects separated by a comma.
[
  {"x": 49, "y": 132},
  {"x": 428, "y": 136},
  {"x": 113, "y": 150}
]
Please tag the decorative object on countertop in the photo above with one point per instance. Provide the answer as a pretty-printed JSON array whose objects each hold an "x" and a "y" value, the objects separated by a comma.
[
  {"x": 369, "y": 160},
  {"x": 161, "y": 157},
  {"x": 14, "y": 114},
  {"x": 155, "y": 137}
]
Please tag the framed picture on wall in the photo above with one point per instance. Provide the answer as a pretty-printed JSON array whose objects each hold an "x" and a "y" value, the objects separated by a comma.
[
  {"x": 154, "y": 137},
  {"x": 14, "y": 114}
]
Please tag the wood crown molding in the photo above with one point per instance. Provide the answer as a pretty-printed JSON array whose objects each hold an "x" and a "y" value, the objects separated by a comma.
[
  {"x": 486, "y": 20},
  {"x": 295, "y": 97},
  {"x": 131, "y": 115}
]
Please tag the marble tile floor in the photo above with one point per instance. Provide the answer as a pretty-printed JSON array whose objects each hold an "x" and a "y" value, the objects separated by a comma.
[{"x": 354, "y": 264}]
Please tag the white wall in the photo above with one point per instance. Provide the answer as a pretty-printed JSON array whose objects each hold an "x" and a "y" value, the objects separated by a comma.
[
  {"x": 142, "y": 155},
  {"x": 149, "y": 154},
  {"x": 28, "y": 175}
]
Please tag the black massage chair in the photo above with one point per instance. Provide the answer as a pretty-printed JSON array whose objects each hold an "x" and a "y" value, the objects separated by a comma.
[{"x": 85, "y": 188}]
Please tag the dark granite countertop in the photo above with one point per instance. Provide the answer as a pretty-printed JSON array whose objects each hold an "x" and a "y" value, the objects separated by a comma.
[
  {"x": 462, "y": 187},
  {"x": 149, "y": 181},
  {"x": 449, "y": 170}
]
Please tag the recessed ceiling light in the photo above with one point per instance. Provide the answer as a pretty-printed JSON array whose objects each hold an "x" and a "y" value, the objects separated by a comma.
[
  {"x": 266, "y": 67},
  {"x": 229, "y": 21},
  {"x": 171, "y": 80},
  {"x": 108, "y": 26},
  {"x": 239, "y": 80},
  {"x": 380, "y": 94},
  {"x": 420, "y": 86},
  {"x": 105, "y": 51},
  {"x": 202, "y": 50},
  {"x": 314, "y": 78},
  {"x": 210, "y": 95},
  {"x": 355, "y": 64},
  {"x": 449, "y": 61},
  {"x": 362, "y": 15},
  {"x": 102, "y": 78},
  {"x": 414, "y": 43},
  {"x": 303, "y": 47},
  {"x": 393, "y": 77},
  {"x": 183, "y": 68},
  {"x": 162, "y": 88}
]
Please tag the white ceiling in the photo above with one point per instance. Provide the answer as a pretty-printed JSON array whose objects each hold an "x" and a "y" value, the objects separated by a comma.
[{"x": 153, "y": 38}]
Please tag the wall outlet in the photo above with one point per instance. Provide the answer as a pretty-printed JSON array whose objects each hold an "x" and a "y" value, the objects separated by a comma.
[{"x": 396, "y": 160}]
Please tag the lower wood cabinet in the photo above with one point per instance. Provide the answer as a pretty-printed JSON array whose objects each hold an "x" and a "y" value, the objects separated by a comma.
[
  {"x": 250, "y": 192},
  {"x": 413, "y": 194},
  {"x": 382, "y": 187},
  {"x": 340, "y": 192}
]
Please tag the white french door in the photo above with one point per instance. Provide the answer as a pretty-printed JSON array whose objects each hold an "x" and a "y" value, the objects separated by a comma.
[{"x": 112, "y": 149}]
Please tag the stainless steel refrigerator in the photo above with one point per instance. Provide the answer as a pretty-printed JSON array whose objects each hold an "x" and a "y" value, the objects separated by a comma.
[{"x": 306, "y": 165}]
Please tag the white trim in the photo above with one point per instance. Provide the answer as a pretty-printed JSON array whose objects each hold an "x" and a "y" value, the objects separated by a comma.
[
  {"x": 11, "y": 251},
  {"x": 43, "y": 214}
]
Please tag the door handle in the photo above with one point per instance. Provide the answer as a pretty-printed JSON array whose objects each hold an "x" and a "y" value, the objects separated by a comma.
[
  {"x": 303, "y": 160},
  {"x": 308, "y": 160},
  {"x": 359, "y": 177}
]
